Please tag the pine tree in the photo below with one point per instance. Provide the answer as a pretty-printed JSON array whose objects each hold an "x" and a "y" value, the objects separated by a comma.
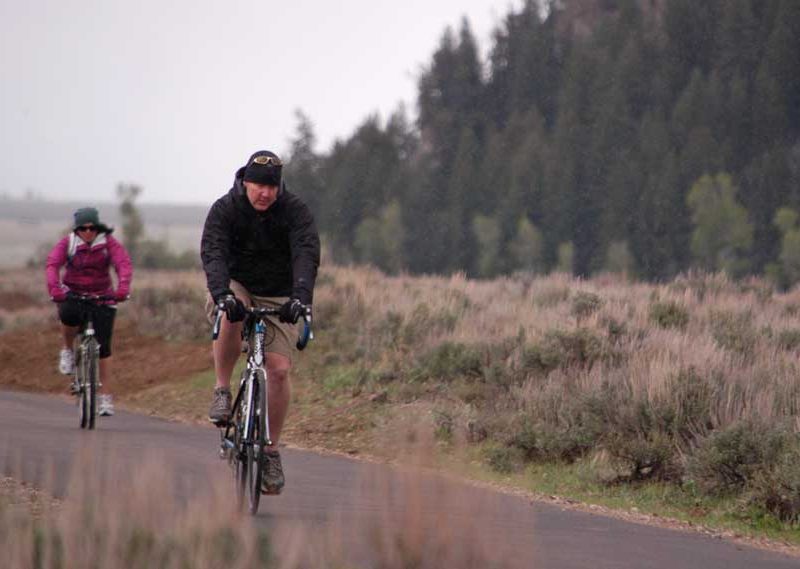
[{"x": 303, "y": 166}]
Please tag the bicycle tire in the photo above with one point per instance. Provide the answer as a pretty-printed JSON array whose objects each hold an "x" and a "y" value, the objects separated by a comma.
[
  {"x": 238, "y": 457},
  {"x": 80, "y": 375},
  {"x": 93, "y": 357},
  {"x": 256, "y": 448}
]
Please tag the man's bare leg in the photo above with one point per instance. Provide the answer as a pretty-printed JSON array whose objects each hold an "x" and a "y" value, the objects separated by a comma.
[
  {"x": 278, "y": 393},
  {"x": 226, "y": 349}
]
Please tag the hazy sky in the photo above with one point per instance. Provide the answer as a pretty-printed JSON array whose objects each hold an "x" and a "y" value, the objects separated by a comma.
[{"x": 175, "y": 94}]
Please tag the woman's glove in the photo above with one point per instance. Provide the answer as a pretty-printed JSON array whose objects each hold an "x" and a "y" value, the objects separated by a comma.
[{"x": 59, "y": 294}]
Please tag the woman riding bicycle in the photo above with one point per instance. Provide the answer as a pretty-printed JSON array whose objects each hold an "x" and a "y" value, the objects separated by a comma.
[{"x": 88, "y": 253}]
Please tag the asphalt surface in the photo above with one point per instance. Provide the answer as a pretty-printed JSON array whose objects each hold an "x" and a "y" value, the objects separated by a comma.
[{"x": 40, "y": 440}]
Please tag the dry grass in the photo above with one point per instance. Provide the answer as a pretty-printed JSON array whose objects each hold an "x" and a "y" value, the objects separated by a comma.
[
  {"x": 752, "y": 383},
  {"x": 739, "y": 336},
  {"x": 555, "y": 368},
  {"x": 115, "y": 516},
  {"x": 756, "y": 375},
  {"x": 551, "y": 367}
]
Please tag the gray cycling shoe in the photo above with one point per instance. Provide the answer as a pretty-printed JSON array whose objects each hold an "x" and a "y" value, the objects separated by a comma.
[
  {"x": 220, "y": 411},
  {"x": 272, "y": 480}
]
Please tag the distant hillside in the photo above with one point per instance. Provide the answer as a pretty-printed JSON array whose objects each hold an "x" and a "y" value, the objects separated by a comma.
[
  {"x": 28, "y": 226},
  {"x": 158, "y": 214}
]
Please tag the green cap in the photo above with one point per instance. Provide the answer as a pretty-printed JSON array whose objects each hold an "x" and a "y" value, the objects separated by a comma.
[{"x": 86, "y": 215}]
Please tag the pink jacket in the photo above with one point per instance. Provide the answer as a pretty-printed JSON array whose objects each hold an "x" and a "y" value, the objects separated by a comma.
[{"x": 88, "y": 266}]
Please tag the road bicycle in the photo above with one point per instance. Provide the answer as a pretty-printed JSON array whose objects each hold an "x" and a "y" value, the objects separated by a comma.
[
  {"x": 245, "y": 438},
  {"x": 87, "y": 359}
]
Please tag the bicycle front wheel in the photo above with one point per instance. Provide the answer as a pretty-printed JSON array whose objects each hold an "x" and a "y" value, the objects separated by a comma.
[
  {"x": 255, "y": 464},
  {"x": 239, "y": 451},
  {"x": 80, "y": 381},
  {"x": 93, "y": 362}
]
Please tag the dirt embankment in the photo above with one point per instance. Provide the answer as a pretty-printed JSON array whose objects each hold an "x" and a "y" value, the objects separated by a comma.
[{"x": 29, "y": 359}]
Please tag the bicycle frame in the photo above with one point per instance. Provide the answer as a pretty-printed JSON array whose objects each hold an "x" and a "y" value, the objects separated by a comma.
[
  {"x": 87, "y": 353},
  {"x": 245, "y": 437}
]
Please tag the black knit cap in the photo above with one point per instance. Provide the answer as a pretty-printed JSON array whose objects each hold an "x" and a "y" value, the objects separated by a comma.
[{"x": 264, "y": 167}]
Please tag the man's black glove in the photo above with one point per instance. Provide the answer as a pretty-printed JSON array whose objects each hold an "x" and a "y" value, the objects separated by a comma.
[
  {"x": 233, "y": 307},
  {"x": 291, "y": 311}
]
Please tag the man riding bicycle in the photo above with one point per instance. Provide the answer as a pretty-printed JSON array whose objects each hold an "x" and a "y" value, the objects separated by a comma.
[{"x": 260, "y": 247}]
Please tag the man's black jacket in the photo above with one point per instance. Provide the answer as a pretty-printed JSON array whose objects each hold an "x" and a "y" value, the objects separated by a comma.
[{"x": 272, "y": 253}]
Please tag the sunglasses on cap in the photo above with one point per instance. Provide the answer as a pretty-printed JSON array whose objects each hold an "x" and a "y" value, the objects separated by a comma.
[
  {"x": 267, "y": 161},
  {"x": 86, "y": 228}
]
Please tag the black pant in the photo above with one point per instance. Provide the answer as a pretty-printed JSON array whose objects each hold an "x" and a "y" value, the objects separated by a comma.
[{"x": 73, "y": 313}]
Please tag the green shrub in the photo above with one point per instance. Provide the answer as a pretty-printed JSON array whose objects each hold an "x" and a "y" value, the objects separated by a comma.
[
  {"x": 476, "y": 431},
  {"x": 473, "y": 392},
  {"x": 392, "y": 327},
  {"x": 325, "y": 279},
  {"x": 171, "y": 313},
  {"x": 669, "y": 314},
  {"x": 789, "y": 339},
  {"x": 702, "y": 284},
  {"x": 346, "y": 379},
  {"x": 458, "y": 299},
  {"x": 551, "y": 296},
  {"x": 562, "y": 348},
  {"x": 545, "y": 442},
  {"x": 449, "y": 361},
  {"x": 443, "y": 425},
  {"x": 417, "y": 325},
  {"x": 615, "y": 329},
  {"x": 504, "y": 460},
  {"x": 327, "y": 312},
  {"x": 156, "y": 254},
  {"x": 645, "y": 436},
  {"x": 644, "y": 457},
  {"x": 637, "y": 434},
  {"x": 729, "y": 460},
  {"x": 734, "y": 331},
  {"x": 777, "y": 490},
  {"x": 791, "y": 309},
  {"x": 585, "y": 303},
  {"x": 760, "y": 288},
  {"x": 684, "y": 412}
]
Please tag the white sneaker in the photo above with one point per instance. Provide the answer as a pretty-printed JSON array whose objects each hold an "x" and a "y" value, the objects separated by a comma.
[
  {"x": 106, "y": 407},
  {"x": 66, "y": 362}
]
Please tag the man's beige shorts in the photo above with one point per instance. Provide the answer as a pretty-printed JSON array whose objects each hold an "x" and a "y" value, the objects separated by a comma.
[{"x": 281, "y": 338}]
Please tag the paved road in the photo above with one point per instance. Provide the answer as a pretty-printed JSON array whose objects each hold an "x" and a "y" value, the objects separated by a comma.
[{"x": 325, "y": 488}]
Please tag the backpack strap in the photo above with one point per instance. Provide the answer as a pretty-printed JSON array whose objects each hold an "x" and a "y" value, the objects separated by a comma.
[
  {"x": 72, "y": 246},
  {"x": 75, "y": 241}
]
